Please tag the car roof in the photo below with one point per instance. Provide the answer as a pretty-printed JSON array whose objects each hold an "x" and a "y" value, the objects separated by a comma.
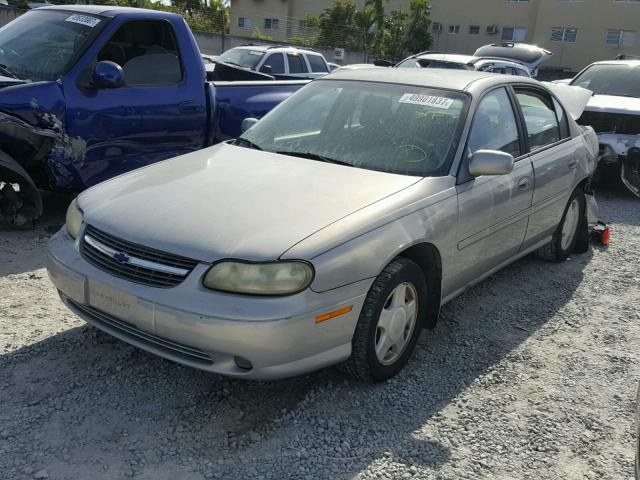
[
  {"x": 631, "y": 63},
  {"x": 472, "y": 81},
  {"x": 448, "y": 57},
  {"x": 106, "y": 10},
  {"x": 276, "y": 48}
]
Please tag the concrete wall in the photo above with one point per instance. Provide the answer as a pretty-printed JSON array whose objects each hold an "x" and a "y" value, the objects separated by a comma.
[{"x": 215, "y": 44}]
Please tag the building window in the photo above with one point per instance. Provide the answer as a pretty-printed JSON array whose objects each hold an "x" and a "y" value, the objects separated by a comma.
[
  {"x": 474, "y": 29},
  {"x": 454, "y": 28},
  {"x": 244, "y": 22},
  {"x": 621, "y": 38},
  {"x": 271, "y": 24},
  {"x": 515, "y": 34},
  {"x": 564, "y": 34}
]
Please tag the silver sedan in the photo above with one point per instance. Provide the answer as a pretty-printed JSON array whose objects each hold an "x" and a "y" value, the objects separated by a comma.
[{"x": 332, "y": 231}]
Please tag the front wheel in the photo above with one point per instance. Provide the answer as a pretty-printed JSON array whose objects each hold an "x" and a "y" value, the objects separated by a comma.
[
  {"x": 389, "y": 323},
  {"x": 566, "y": 235}
]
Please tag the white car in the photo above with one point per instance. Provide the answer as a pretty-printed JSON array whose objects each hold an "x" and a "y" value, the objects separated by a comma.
[
  {"x": 277, "y": 60},
  {"x": 455, "y": 61}
]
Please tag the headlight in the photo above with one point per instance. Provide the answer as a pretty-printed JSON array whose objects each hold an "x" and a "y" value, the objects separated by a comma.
[
  {"x": 74, "y": 219},
  {"x": 272, "y": 278}
]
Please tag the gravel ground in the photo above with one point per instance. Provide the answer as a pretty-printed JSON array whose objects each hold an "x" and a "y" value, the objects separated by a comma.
[{"x": 531, "y": 374}]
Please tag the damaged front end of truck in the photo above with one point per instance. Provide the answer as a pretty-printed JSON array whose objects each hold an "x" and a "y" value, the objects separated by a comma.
[{"x": 622, "y": 152}]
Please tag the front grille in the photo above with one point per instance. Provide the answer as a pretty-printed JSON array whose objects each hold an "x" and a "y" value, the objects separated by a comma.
[
  {"x": 134, "y": 262},
  {"x": 611, "y": 122},
  {"x": 130, "y": 332}
]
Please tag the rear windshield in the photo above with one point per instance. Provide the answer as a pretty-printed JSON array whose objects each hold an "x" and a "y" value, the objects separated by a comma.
[
  {"x": 242, "y": 57},
  {"x": 431, "y": 63},
  {"x": 600, "y": 80}
]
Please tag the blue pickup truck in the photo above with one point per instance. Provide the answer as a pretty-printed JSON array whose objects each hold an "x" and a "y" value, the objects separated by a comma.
[{"x": 90, "y": 92}]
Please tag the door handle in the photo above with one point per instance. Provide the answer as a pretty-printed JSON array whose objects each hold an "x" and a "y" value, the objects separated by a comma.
[
  {"x": 523, "y": 183},
  {"x": 190, "y": 107},
  {"x": 572, "y": 164}
]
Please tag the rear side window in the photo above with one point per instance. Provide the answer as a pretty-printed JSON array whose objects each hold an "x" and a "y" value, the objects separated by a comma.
[
  {"x": 296, "y": 63},
  {"x": 147, "y": 52},
  {"x": 539, "y": 118},
  {"x": 276, "y": 62},
  {"x": 562, "y": 119},
  {"x": 317, "y": 63},
  {"x": 494, "y": 125}
]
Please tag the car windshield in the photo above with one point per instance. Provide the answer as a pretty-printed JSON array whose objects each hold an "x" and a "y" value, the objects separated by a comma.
[
  {"x": 242, "y": 57},
  {"x": 432, "y": 63},
  {"x": 622, "y": 80},
  {"x": 40, "y": 45},
  {"x": 391, "y": 128}
]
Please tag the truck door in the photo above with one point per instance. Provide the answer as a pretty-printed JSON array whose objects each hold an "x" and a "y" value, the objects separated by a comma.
[{"x": 159, "y": 112}]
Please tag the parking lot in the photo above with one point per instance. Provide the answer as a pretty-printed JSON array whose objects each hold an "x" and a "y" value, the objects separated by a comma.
[{"x": 531, "y": 374}]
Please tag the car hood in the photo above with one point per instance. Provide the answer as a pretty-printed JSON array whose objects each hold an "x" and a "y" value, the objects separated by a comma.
[
  {"x": 614, "y": 104},
  {"x": 232, "y": 202}
]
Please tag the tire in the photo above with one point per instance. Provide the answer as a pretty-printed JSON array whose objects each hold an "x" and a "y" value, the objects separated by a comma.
[
  {"x": 568, "y": 233},
  {"x": 397, "y": 342}
]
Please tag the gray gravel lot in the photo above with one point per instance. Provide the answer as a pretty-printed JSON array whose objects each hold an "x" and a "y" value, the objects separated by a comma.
[{"x": 531, "y": 374}]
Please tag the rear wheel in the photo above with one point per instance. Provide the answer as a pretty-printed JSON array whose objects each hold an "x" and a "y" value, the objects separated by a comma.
[
  {"x": 566, "y": 235},
  {"x": 389, "y": 323}
]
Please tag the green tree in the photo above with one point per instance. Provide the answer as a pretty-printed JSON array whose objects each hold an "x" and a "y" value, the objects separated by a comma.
[
  {"x": 418, "y": 31},
  {"x": 338, "y": 25}
]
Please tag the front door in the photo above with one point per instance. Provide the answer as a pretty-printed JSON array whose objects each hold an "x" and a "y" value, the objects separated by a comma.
[
  {"x": 493, "y": 210},
  {"x": 159, "y": 113}
]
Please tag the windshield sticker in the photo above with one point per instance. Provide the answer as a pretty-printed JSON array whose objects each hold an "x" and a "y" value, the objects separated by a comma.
[
  {"x": 84, "y": 20},
  {"x": 426, "y": 100},
  {"x": 253, "y": 52}
]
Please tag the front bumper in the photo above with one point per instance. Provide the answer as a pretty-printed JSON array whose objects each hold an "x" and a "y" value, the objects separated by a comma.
[
  {"x": 623, "y": 150},
  {"x": 205, "y": 329}
]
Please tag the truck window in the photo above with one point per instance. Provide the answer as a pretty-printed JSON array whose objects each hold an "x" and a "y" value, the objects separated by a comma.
[
  {"x": 296, "y": 63},
  {"x": 147, "y": 52},
  {"x": 317, "y": 63},
  {"x": 276, "y": 62}
]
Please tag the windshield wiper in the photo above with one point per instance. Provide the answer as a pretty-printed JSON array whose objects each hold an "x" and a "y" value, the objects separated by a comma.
[
  {"x": 5, "y": 71},
  {"x": 247, "y": 143},
  {"x": 315, "y": 156}
]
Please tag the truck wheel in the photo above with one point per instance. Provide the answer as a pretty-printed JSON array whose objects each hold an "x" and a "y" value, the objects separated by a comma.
[
  {"x": 390, "y": 323},
  {"x": 566, "y": 235}
]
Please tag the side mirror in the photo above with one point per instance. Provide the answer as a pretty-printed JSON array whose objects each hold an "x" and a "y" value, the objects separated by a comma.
[
  {"x": 266, "y": 69},
  {"x": 107, "y": 75},
  {"x": 490, "y": 162},
  {"x": 247, "y": 123}
]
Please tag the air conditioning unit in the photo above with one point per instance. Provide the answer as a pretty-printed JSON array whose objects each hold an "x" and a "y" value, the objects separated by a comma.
[
  {"x": 436, "y": 27},
  {"x": 492, "y": 29}
]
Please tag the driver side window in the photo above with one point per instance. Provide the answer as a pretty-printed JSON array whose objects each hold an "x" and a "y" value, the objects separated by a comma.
[
  {"x": 494, "y": 125},
  {"x": 147, "y": 52}
]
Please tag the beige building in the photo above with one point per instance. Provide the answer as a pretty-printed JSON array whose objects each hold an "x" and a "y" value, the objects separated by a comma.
[{"x": 578, "y": 32}]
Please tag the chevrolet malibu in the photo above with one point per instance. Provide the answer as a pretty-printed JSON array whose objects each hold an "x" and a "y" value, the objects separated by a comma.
[{"x": 334, "y": 229}]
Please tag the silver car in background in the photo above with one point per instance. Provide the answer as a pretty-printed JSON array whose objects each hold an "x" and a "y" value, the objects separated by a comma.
[{"x": 333, "y": 230}]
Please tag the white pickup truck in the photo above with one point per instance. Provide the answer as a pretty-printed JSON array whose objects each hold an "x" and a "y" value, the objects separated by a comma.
[{"x": 614, "y": 113}]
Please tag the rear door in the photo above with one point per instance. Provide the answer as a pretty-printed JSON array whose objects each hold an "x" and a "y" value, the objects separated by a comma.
[
  {"x": 493, "y": 209},
  {"x": 553, "y": 156}
]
